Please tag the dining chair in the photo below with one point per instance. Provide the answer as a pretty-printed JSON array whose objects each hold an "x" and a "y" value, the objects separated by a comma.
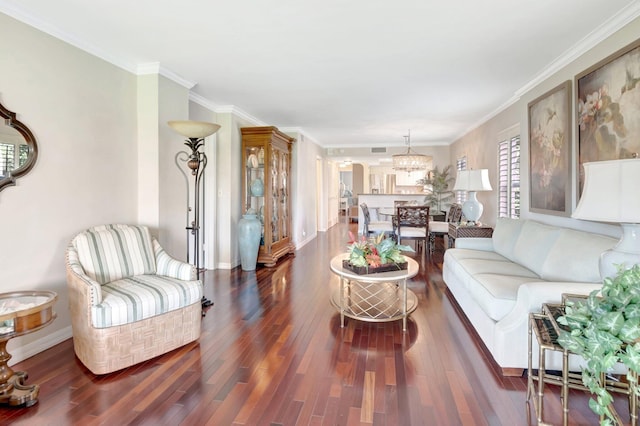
[
  {"x": 437, "y": 229},
  {"x": 374, "y": 227},
  {"x": 412, "y": 224}
]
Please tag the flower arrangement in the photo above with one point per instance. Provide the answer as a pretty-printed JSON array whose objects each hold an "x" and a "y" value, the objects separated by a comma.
[{"x": 375, "y": 252}]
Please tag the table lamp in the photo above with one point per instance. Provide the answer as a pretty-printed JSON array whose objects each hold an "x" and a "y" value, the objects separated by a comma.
[
  {"x": 610, "y": 194},
  {"x": 472, "y": 181}
]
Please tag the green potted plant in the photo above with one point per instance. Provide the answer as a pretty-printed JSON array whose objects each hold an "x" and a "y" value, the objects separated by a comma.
[
  {"x": 605, "y": 330},
  {"x": 439, "y": 182}
]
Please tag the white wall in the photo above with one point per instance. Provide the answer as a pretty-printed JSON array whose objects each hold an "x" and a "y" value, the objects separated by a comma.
[
  {"x": 82, "y": 112},
  {"x": 304, "y": 187},
  {"x": 480, "y": 145}
]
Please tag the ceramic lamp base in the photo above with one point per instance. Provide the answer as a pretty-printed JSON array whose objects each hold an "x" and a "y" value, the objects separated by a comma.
[
  {"x": 472, "y": 208},
  {"x": 625, "y": 254}
]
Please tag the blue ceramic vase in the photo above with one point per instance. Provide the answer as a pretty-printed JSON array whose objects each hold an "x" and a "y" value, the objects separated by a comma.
[
  {"x": 249, "y": 232},
  {"x": 257, "y": 188}
]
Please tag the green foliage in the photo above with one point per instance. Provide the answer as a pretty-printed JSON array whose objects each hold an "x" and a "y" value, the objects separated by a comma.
[
  {"x": 605, "y": 330},
  {"x": 375, "y": 251},
  {"x": 439, "y": 182}
]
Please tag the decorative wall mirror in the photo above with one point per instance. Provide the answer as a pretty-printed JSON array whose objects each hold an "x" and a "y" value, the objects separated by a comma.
[{"x": 18, "y": 148}]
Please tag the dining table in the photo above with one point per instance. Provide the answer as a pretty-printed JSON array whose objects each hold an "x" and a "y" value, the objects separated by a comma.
[{"x": 389, "y": 212}]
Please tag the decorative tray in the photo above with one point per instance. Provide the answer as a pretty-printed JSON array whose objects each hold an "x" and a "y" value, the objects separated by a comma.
[{"x": 364, "y": 270}]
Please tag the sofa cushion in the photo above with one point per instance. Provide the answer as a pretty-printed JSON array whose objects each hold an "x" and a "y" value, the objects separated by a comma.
[
  {"x": 505, "y": 235},
  {"x": 111, "y": 252},
  {"x": 575, "y": 257},
  {"x": 496, "y": 293},
  {"x": 482, "y": 266},
  {"x": 142, "y": 296},
  {"x": 533, "y": 245}
]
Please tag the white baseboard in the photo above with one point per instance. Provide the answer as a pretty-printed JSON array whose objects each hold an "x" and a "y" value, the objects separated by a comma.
[
  {"x": 302, "y": 243},
  {"x": 23, "y": 352}
]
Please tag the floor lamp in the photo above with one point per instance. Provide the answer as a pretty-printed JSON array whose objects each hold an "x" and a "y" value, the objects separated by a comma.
[{"x": 196, "y": 160}]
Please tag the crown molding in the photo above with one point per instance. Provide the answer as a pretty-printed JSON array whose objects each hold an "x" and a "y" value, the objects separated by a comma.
[
  {"x": 622, "y": 18},
  {"x": 234, "y": 110},
  {"x": 10, "y": 9},
  {"x": 302, "y": 132},
  {"x": 156, "y": 68},
  {"x": 202, "y": 101},
  {"x": 626, "y": 15},
  {"x": 599, "y": 34}
]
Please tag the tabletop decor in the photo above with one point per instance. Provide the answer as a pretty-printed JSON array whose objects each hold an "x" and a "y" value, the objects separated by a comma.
[
  {"x": 374, "y": 255},
  {"x": 605, "y": 330}
]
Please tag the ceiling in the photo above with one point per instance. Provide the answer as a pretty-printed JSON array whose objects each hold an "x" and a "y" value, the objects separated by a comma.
[{"x": 356, "y": 73}]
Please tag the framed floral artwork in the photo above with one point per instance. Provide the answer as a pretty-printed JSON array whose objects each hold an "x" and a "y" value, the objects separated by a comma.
[
  {"x": 550, "y": 152},
  {"x": 608, "y": 109}
]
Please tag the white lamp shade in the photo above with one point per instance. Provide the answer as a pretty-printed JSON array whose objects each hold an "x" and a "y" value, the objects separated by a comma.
[
  {"x": 472, "y": 180},
  {"x": 610, "y": 192},
  {"x": 194, "y": 129}
]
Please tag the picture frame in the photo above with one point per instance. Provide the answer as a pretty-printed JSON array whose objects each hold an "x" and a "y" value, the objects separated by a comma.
[
  {"x": 550, "y": 149},
  {"x": 608, "y": 109}
]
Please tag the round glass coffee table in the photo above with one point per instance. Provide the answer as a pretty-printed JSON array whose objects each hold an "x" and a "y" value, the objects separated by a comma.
[
  {"x": 21, "y": 312},
  {"x": 377, "y": 297}
]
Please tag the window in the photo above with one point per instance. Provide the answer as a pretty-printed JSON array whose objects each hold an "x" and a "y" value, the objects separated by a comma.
[
  {"x": 509, "y": 177},
  {"x": 24, "y": 154},
  {"x": 461, "y": 164},
  {"x": 7, "y": 153}
]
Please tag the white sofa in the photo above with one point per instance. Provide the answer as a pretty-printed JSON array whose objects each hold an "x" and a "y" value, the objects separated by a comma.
[{"x": 498, "y": 281}]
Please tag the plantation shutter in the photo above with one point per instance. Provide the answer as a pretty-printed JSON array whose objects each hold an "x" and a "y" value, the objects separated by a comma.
[
  {"x": 461, "y": 164},
  {"x": 509, "y": 178}
]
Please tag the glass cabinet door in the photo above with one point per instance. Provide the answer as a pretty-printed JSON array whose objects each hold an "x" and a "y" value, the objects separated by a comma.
[
  {"x": 275, "y": 195},
  {"x": 254, "y": 179},
  {"x": 284, "y": 194}
]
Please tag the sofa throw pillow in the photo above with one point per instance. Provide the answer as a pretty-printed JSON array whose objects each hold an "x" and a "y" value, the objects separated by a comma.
[
  {"x": 505, "y": 235},
  {"x": 576, "y": 257},
  {"x": 112, "y": 252},
  {"x": 533, "y": 245}
]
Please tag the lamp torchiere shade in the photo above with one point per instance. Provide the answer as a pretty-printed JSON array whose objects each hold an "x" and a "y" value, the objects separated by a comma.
[
  {"x": 194, "y": 129},
  {"x": 610, "y": 195},
  {"x": 472, "y": 181}
]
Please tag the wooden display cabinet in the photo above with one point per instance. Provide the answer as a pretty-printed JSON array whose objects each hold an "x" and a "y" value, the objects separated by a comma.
[{"x": 266, "y": 157}]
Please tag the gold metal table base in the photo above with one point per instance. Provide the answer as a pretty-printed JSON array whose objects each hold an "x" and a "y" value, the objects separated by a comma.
[
  {"x": 374, "y": 302},
  {"x": 544, "y": 327}
]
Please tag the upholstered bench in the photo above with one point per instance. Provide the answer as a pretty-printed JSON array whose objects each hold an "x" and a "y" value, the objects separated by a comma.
[{"x": 129, "y": 300}]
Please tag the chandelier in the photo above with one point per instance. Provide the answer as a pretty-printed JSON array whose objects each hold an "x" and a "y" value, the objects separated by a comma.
[{"x": 410, "y": 161}]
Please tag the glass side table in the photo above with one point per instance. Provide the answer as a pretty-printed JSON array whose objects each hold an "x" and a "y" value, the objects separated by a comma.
[
  {"x": 21, "y": 312},
  {"x": 545, "y": 328}
]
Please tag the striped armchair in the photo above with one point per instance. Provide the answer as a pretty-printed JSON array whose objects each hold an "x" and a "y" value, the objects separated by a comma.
[{"x": 129, "y": 300}]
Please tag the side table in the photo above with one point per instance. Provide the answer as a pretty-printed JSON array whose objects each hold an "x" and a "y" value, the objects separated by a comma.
[
  {"x": 21, "y": 313},
  {"x": 457, "y": 230},
  {"x": 546, "y": 328},
  {"x": 377, "y": 297}
]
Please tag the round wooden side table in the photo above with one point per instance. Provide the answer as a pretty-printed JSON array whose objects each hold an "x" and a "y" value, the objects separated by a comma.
[{"x": 21, "y": 312}]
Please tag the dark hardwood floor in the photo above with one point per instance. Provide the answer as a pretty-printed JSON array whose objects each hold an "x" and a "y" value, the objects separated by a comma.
[{"x": 272, "y": 353}]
